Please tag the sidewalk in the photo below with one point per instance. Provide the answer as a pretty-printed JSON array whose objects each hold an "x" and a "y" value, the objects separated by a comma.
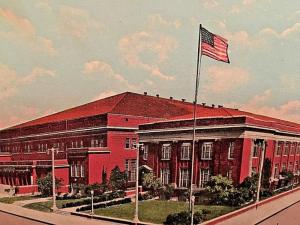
[
  {"x": 51, "y": 218},
  {"x": 25, "y": 202},
  {"x": 257, "y": 212}
]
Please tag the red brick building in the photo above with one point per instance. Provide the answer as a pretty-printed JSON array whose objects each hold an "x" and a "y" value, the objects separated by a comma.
[
  {"x": 89, "y": 138},
  {"x": 100, "y": 135},
  {"x": 228, "y": 142}
]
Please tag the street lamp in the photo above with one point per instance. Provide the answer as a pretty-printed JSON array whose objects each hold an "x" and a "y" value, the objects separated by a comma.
[
  {"x": 92, "y": 195},
  {"x": 53, "y": 150},
  {"x": 136, "y": 212}
]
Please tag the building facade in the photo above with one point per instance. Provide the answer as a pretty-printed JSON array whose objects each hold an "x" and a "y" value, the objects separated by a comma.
[
  {"x": 89, "y": 139},
  {"x": 228, "y": 142}
]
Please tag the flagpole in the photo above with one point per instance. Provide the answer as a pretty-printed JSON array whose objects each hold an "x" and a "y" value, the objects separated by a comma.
[{"x": 199, "y": 57}]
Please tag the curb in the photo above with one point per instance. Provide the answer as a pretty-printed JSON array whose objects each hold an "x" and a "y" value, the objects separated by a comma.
[
  {"x": 26, "y": 217},
  {"x": 110, "y": 219}
]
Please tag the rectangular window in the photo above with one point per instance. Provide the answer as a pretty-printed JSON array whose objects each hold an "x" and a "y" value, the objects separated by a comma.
[
  {"x": 165, "y": 176},
  {"x": 255, "y": 150},
  {"x": 298, "y": 149},
  {"x": 276, "y": 170},
  {"x": 278, "y": 149},
  {"x": 229, "y": 174},
  {"x": 184, "y": 178},
  {"x": 286, "y": 149},
  {"x": 76, "y": 172},
  {"x": 283, "y": 167},
  {"x": 206, "y": 152},
  {"x": 166, "y": 151},
  {"x": 127, "y": 143},
  {"x": 81, "y": 170},
  {"x": 145, "y": 152},
  {"x": 291, "y": 166},
  {"x": 296, "y": 169},
  {"x": 72, "y": 170},
  {"x": 130, "y": 169},
  {"x": 134, "y": 145},
  {"x": 292, "y": 149},
  {"x": 204, "y": 176},
  {"x": 254, "y": 171},
  {"x": 231, "y": 150},
  {"x": 185, "y": 151}
]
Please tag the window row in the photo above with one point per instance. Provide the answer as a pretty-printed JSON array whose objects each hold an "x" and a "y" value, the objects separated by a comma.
[
  {"x": 77, "y": 170},
  {"x": 291, "y": 166},
  {"x": 42, "y": 147},
  {"x": 186, "y": 151},
  {"x": 287, "y": 148},
  {"x": 184, "y": 176}
]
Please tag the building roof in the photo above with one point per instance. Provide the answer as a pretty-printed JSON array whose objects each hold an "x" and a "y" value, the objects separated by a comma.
[
  {"x": 126, "y": 103},
  {"x": 129, "y": 103}
]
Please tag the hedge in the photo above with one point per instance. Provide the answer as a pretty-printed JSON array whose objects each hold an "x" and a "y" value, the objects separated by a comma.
[
  {"x": 104, "y": 205},
  {"x": 102, "y": 198}
]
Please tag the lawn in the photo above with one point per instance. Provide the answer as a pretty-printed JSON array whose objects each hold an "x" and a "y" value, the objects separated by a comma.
[
  {"x": 46, "y": 206},
  {"x": 156, "y": 211},
  {"x": 10, "y": 200}
]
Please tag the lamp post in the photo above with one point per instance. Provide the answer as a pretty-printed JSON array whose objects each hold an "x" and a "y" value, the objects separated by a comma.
[
  {"x": 136, "y": 212},
  {"x": 92, "y": 195},
  {"x": 54, "y": 207}
]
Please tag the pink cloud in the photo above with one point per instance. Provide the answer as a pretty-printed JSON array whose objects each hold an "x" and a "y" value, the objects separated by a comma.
[
  {"x": 134, "y": 45},
  {"x": 219, "y": 77},
  {"x": 22, "y": 30}
]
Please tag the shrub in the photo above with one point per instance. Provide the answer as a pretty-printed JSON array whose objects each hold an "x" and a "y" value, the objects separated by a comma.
[
  {"x": 104, "y": 205},
  {"x": 166, "y": 192},
  {"x": 45, "y": 184},
  {"x": 151, "y": 183},
  {"x": 118, "y": 179},
  {"x": 183, "y": 218}
]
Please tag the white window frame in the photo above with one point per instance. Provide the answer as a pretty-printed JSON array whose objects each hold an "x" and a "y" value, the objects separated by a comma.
[
  {"x": 207, "y": 151},
  {"x": 283, "y": 167},
  {"x": 286, "y": 149},
  {"x": 81, "y": 170},
  {"x": 71, "y": 170},
  {"x": 127, "y": 143},
  {"x": 276, "y": 170},
  {"x": 185, "y": 151},
  {"x": 134, "y": 143},
  {"x": 145, "y": 152},
  {"x": 278, "y": 149},
  {"x": 165, "y": 176},
  {"x": 204, "y": 176},
  {"x": 231, "y": 149},
  {"x": 166, "y": 152},
  {"x": 184, "y": 178}
]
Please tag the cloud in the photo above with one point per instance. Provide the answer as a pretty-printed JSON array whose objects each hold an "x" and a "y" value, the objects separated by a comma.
[
  {"x": 289, "y": 82},
  {"x": 209, "y": 4},
  {"x": 286, "y": 33},
  {"x": 219, "y": 77},
  {"x": 10, "y": 80},
  {"x": 22, "y": 30},
  {"x": 258, "y": 104},
  {"x": 35, "y": 73},
  {"x": 77, "y": 22},
  {"x": 133, "y": 46},
  {"x": 104, "y": 95},
  {"x": 156, "y": 20},
  {"x": 103, "y": 68}
]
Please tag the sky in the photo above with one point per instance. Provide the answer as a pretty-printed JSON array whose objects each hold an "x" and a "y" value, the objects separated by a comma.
[{"x": 59, "y": 54}]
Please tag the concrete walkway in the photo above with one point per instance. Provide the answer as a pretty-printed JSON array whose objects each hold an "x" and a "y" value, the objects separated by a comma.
[
  {"x": 26, "y": 202},
  {"x": 253, "y": 214},
  {"x": 51, "y": 218}
]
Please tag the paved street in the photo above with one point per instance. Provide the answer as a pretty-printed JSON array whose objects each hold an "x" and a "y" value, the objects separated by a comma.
[
  {"x": 8, "y": 219},
  {"x": 290, "y": 216}
]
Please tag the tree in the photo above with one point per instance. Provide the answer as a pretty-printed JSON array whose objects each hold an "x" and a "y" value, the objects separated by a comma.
[
  {"x": 151, "y": 183},
  {"x": 248, "y": 187},
  {"x": 118, "y": 179},
  {"x": 45, "y": 184},
  {"x": 220, "y": 187}
]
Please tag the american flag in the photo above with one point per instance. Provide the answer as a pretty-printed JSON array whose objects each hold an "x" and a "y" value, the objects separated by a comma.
[{"x": 214, "y": 46}]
